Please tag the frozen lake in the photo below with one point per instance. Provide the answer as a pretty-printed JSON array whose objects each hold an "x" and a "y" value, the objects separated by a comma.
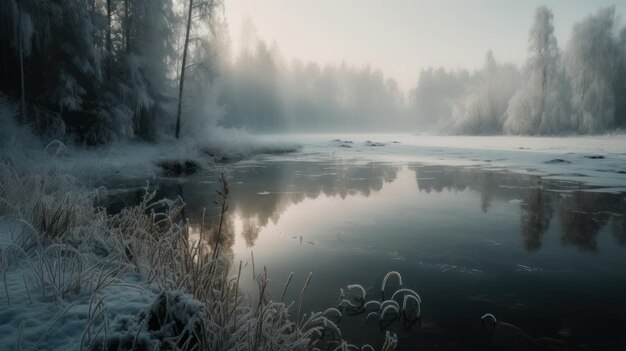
[{"x": 539, "y": 247}]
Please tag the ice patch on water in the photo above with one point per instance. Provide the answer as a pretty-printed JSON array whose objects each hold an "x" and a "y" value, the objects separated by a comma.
[
  {"x": 537, "y": 155},
  {"x": 524, "y": 268}
]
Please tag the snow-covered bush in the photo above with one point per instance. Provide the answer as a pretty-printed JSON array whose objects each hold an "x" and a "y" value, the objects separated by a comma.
[{"x": 482, "y": 108}]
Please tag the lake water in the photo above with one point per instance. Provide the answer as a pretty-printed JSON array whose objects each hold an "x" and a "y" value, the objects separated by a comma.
[{"x": 547, "y": 256}]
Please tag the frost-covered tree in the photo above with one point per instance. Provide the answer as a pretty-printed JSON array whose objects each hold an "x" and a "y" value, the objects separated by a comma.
[
  {"x": 197, "y": 12},
  {"x": 482, "y": 108},
  {"x": 96, "y": 70},
  {"x": 51, "y": 47},
  {"x": 432, "y": 98},
  {"x": 252, "y": 97},
  {"x": 540, "y": 106},
  {"x": 54, "y": 44},
  {"x": 620, "y": 83},
  {"x": 591, "y": 61},
  {"x": 25, "y": 27},
  {"x": 205, "y": 74},
  {"x": 144, "y": 51}
]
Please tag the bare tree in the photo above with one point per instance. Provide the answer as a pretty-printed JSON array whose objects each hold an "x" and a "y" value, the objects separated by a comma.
[
  {"x": 204, "y": 10},
  {"x": 109, "y": 42},
  {"x": 20, "y": 38}
]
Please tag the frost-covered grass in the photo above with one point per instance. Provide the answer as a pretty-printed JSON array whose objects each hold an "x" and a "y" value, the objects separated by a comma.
[
  {"x": 75, "y": 277},
  {"x": 128, "y": 160}
]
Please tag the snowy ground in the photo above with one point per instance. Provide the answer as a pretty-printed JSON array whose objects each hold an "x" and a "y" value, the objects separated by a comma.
[
  {"x": 123, "y": 162},
  {"x": 593, "y": 160},
  {"x": 33, "y": 318}
]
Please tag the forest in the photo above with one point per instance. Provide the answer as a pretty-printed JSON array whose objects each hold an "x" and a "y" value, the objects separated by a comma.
[{"x": 99, "y": 71}]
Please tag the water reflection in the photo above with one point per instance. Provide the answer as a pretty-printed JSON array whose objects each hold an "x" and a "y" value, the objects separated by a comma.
[
  {"x": 619, "y": 228},
  {"x": 260, "y": 193},
  {"x": 537, "y": 208},
  {"x": 289, "y": 183},
  {"x": 491, "y": 185},
  {"x": 208, "y": 233},
  {"x": 583, "y": 212},
  {"x": 460, "y": 234}
]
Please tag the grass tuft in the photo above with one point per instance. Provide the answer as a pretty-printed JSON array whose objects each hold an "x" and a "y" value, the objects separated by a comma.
[{"x": 73, "y": 255}]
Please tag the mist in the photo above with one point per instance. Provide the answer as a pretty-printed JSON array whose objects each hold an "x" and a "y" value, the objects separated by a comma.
[
  {"x": 176, "y": 175},
  {"x": 121, "y": 83},
  {"x": 577, "y": 89}
]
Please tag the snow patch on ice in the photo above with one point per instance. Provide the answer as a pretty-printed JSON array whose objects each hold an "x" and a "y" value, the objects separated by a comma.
[{"x": 593, "y": 160}]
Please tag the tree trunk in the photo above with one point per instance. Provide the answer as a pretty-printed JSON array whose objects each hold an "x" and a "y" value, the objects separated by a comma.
[
  {"x": 182, "y": 70},
  {"x": 109, "y": 44},
  {"x": 126, "y": 26},
  {"x": 21, "y": 54},
  {"x": 23, "y": 88},
  {"x": 5, "y": 57}
]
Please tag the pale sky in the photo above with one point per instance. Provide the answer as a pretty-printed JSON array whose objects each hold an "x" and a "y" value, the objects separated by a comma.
[{"x": 402, "y": 36}]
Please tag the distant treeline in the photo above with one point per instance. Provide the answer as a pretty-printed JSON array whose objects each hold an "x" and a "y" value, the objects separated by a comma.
[
  {"x": 579, "y": 90},
  {"x": 259, "y": 94},
  {"x": 102, "y": 70}
]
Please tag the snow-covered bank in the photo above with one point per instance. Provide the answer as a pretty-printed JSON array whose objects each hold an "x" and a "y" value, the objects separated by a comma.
[
  {"x": 132, "y": 161},
  {"x": 598, "y": 161},
  {"x": 74, "y": 276},
  {"x": 124, "y": 161}
]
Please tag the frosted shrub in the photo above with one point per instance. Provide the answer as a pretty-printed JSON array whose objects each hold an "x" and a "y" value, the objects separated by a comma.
[{"x": 482, "y": 108}]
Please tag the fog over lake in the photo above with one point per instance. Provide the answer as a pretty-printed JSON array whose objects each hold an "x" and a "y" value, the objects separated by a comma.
[{"x": 333, "y": 175}]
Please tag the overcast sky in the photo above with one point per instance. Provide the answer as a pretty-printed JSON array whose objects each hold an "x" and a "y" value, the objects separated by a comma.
[{"x": 402, "y": 36}]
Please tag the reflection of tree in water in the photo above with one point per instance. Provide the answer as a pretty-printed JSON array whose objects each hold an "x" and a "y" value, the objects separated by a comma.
[
  {"x": 536, "y": 211},
  {"x": 619, "y": 226},
  {"x": 491, "y": 185},
  {"x": 289, "y": 183},
  {"x": 260, "y": 193},
  {"x": 250, "y": 231},
  {"x": 209, "y": 233},
  {"x": 439, "y": 178},
  {"x": 487, "y": 192},
  {"x": 582, "y": 214},
  {"x": 365, "y": 179}
]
